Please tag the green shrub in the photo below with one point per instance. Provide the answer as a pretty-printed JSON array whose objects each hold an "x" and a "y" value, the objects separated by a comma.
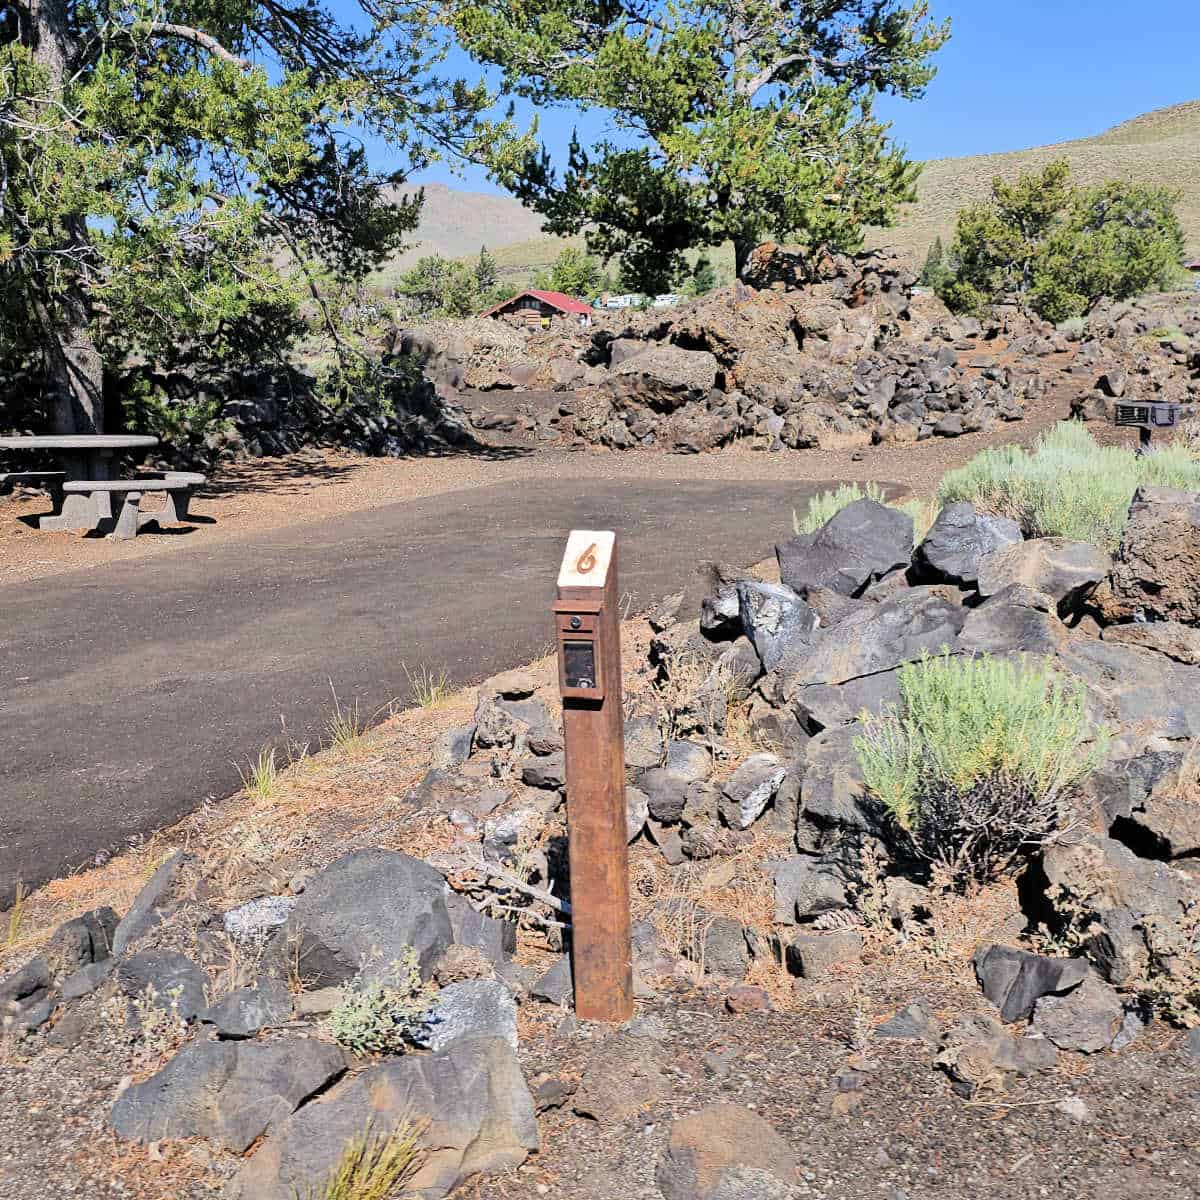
[
  {"x": 976, "y": 763},
  {"x": 1068, "y": 486},
  {"x": 379, "y": 1014}
]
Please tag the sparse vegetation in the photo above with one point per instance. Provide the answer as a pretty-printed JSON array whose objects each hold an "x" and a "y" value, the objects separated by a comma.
[
  {"x": 1068, "y": 486},
  {"x": 381, "y": 1010},
  {"x": 976, "y": 764},
  {"x": 345, "y": 727},
  {"x": 149, "y": 1028},
  {"x": 16, "y": 915},
  {"x": 374, "y": 1166},
  {"x": 428, "y": 688},
  {"x": 261, "y": 777}
]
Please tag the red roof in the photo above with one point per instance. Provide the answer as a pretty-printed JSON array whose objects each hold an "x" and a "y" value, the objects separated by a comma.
[
  {"x": 559, "y": 300},
  {"x": 1194, "y": 265}
]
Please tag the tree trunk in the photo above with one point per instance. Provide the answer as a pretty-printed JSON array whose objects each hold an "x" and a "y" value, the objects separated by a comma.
[
  {"x": 74, "y": 368},
  {"x": 741, "y": 256}
]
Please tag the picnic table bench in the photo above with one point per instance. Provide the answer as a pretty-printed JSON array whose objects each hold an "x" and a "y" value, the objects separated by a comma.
[
  {"x": 89, "y": 503},
  {"x": 84, "y": 493}
]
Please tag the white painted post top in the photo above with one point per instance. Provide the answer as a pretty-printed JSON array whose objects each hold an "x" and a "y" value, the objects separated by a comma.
[{"x": 586, "y": 559}]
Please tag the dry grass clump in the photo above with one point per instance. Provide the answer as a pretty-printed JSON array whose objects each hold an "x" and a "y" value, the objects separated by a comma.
[{"x": 374, "y": 1166}]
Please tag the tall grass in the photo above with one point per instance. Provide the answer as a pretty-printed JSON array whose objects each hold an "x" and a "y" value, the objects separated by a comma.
[{"x": 1068, "y": 486}]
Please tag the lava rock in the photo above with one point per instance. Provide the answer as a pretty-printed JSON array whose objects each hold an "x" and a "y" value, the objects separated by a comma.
[
  {"x": 914, "y": 1022},
  {"x": 777, "y": 621},
  {"x": 475, "y": 1008},
  {"x": 1014, "y": 980},
  {"x": 150, "y": 904},
  {"x": 958, "y": 540},
  {"x": 814, "y": 955},
  {"x": 1087, "y": 1019},
  {"x": 859, "y": 544},
  {"x": 725, "y": 1152},
  {"x": 1156, "y": 574},
  {"x": 805, "y": 887},
  {"x": 168, "y": 980},
  {"x": 1063, "y": 569},
  {"x": 229, "y": 1093},
  {"x": 248, "y": 1010},
  {"x": 750, "y": 789},
  {"x": 470, "y": 1102},
  {"x": 363, "y": 912}
]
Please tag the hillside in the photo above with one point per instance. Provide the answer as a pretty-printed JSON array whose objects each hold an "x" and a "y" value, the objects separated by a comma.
[{"x": 1161, "y": 147}]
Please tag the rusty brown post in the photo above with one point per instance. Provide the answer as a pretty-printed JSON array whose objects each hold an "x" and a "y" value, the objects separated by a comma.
[{"x": 588, "y": 633}]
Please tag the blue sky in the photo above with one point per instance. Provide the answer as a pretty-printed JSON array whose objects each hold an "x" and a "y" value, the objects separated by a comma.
[{"x": 1015, "y": 73}]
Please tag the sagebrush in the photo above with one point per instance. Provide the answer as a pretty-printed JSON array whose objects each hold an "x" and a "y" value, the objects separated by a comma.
[
  {"x": 1068, "y": 486},
  {"x": 381, "y": 1010},
  {"x": 977, "y": 762}
]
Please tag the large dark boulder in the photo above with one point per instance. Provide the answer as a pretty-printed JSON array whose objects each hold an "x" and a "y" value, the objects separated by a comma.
[
  {"x": 1134, "y": 689},
  {"x": 958, "y": 539},
  {"x": 1014, "y": 980},
  {"x": 1066, "y": 570},
  {"x": 859, "y": 544},
  {"x": 779, "y": 624},
  {"x": 165, "y": 979},
  {"x": 363, "y": 912},
  {"x": 879, "y": 637},
  {"x": 1122, "y": 899}
]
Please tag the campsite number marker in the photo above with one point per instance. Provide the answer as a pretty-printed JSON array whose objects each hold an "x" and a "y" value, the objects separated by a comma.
[{"x": 588, "y": 633}]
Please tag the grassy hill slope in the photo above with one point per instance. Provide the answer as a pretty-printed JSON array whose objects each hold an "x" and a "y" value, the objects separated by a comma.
[{"x": 1160, "y": 147}]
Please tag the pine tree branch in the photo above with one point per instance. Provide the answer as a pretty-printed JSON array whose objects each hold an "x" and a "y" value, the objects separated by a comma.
[{"x": 186, "y": 33}]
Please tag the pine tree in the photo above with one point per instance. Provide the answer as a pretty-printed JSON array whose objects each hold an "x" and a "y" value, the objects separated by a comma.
[{"x": 737, "y": 120}]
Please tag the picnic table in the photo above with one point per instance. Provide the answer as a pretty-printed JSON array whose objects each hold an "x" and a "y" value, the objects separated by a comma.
[{"x": 84, "y": 493}]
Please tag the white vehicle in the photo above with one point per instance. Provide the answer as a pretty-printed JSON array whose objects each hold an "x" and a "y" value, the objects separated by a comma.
[
  {"x": 667, "y": 300},
  {"x": 630, "y": 300}
]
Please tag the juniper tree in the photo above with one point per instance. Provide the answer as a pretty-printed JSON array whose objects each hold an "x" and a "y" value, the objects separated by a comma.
[
  {"x": 1058, "y": 248},
  {"x": 192, "y": 173},
  {"x": 737, "y": 119}
]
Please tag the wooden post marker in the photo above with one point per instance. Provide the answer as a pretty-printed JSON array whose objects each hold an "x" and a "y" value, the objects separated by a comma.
[{"x": 588, "y": 632}]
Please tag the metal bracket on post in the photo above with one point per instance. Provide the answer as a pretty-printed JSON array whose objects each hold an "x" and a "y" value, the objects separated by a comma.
[{"x": 588, "y": 635}]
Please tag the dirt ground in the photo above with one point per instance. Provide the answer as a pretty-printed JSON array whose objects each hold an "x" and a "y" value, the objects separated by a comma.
[
  {"x": 1107, "y": 1127},
  {"x": 262, "y": 494},
  {"x": 1130, "y": 1132}
]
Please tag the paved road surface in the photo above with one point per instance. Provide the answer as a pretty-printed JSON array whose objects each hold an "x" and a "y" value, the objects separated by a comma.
[{"x": 128, "y": 692}]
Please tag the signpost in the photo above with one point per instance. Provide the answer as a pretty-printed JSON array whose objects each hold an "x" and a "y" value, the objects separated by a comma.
[{"x": 588, "y": 633}]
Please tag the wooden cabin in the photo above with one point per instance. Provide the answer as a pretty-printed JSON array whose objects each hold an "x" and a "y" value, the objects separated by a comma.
[{"x": 535, "y": 307}]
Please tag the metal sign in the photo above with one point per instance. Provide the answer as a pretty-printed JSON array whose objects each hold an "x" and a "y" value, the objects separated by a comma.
[
  {"x": 1147, "y": 415},
  {"x": 588, "y": 635}
]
